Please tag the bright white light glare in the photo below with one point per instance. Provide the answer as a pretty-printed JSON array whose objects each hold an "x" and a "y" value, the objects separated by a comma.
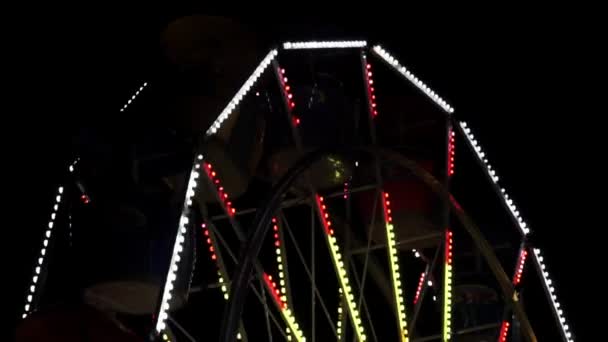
[
  {"x": 344, "y": 44},
  {"x": 242, "y": 92},
  {"x": 393, "y": 62}
]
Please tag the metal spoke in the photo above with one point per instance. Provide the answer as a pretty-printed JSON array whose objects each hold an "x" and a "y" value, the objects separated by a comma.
[
  {"x": 255, "y": 291},
  {"x": 429, "y": 270},
  {"x": 369, "y": 242},
  {"x": 181, "y": 329},
  {"x": 303, "y": 261},
  {"x": 266, "y": 310},
  {"x": 313, "y": 279},
  {"x": 364, "y": 302}
]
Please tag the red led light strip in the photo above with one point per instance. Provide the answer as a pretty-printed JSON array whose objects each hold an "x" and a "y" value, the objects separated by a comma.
[
  {"x": 521, "y": 261},
  {"x": 280, "y": 258},
  {"x": 324, "y": 216},
  {"x": 371, "y": 96},
  {"x": 209, "y": 242},
  {"x": 346, "y": 190},
  {"x": 276, "y": 294},
  {"x": 288, "y": 95},
  {"x": 220, "y": 189},
  {"x": 519, "y": 270},
  {"x": 419, "y": 289},
  {"x": 451, "y": 151},
  {"x": 504, "y": 331}
]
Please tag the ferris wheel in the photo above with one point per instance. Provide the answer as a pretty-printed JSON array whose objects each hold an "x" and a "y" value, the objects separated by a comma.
[{"x": 323, "y": 204}]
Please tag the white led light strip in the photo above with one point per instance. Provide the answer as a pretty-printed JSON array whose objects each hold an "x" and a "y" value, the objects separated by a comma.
[
  {"x": 521, "y": 224},
  {"x": 392, "y": 61},
  {"x": 45, "y": 242},
  {"x": 177, "y": 248},
  {"x": 133, "y": 97},
  {"x": 555, "y": 305},
  {"x": 338, "y": 44},
  {"x": 242, "y": 92},
  {"x": 338, "y": 262},
  {"x": 394, "y": 266}
]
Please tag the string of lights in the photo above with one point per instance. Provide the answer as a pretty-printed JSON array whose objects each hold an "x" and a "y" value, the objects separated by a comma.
[
  {"x": 48, "y": 234},
  {"x": 338, "y": 262},
  {"x": 242, "y": 92},
  {"x": 337, "y": 44},
  {"x": 474, "y": 144},
  {"x": 394, "y": 267},
  {"x": 394, "y": 63},
  {"x": 447, "y": 288},
  {"x": 184, "y": 222},
  {"x": 548, "y": 285},
  {"x": 137, "y": 92}
]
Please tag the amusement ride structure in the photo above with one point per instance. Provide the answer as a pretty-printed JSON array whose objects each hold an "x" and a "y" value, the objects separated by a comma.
[{"x": 320, "y": 204}]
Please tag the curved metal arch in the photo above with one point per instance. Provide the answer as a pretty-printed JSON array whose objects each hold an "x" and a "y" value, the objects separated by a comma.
[{"x": 261, "y": 226}]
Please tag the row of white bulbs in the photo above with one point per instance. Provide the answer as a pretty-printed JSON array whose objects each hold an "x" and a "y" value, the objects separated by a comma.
[
  {"x": 47, "y": 237},
  {"x": 242, "y": 92},
  {"x": 341, "y": 44},
  {"x": 133, "y": 97},
  {"x": 548, "y": 283},
  {"x": 177, "y": 248},
  {"x": 382, "y": 53},
  {"x": 522, "y": 225}
]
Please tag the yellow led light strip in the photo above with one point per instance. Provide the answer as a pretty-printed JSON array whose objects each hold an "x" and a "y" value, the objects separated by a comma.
[
  {"x": 447, "y": 288},
  {"x": 280, "y": 252},
  {"x": 340, "y": 270},
  {"x": 394, "y": 266},
  {"x": 339, "y": 324},
  {"x": 293, "y": 326}
]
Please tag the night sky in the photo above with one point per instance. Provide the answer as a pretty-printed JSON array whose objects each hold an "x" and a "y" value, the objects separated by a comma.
[{"x": 524, "y": 84}]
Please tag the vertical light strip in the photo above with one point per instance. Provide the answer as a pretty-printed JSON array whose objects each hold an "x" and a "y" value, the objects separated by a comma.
[
  {"x": 336, "y": 44},
  {"x": 293, "y": 326},
  {"x": 240, "y": 94},
  {"x": 451, "y": 151},
  {"x": 340, "y": 269},
  {"x": 177, "y": 248},
  {"x": 492, "y": 175},
  {"x": 339, "y": 323},
  {"x": 133, "y": 97},
  {"x": 548, "y": 285},
  {"x": 212, "y": 246},
  {"x": 447, "y": 288},
  {"x": 394, "y": 266},
  {"x": 281, "y": 258},
  {"x": 504, "y": 331},
  {"x": 369, "y": 82},
  {"x": 40, "y": 262},
  {"x": 394, "y": 63},
  {"x": 225, "y": 199},
  {"x": 288, "y": 96},
  {"x": 519, "y": 269},
  {"x": 420, "y": 285}
]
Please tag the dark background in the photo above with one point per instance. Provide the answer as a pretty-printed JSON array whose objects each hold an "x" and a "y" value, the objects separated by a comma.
[{"x": 524, "y": 82}]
